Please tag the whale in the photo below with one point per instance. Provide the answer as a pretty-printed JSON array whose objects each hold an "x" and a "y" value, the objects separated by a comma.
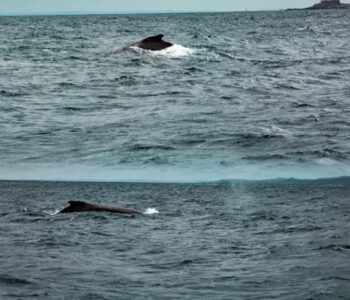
[
  {"x": 152, "y": 43},
  {"x": 81, "y": 206}
]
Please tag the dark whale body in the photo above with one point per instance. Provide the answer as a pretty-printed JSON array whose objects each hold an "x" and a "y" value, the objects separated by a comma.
[
  {"x": 153, "y": 43},
  {"x": 80, "y": 206}
]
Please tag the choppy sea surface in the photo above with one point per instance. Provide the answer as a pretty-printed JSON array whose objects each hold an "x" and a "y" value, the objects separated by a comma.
[
  {"x": 240, "y": 96},
  {"x": 210, "y": 126},
  {"x": 209, "y": 241}
]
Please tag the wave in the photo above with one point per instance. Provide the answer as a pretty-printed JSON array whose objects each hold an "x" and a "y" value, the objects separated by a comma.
[
  {"x": 6, "y": 93},
  {"x": 11, "y": 280}
]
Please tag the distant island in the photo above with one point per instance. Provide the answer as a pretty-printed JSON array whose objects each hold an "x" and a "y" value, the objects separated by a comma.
[{"x": 330, "y": 4}]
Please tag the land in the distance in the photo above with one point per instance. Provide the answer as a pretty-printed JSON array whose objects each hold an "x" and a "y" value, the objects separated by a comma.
[{"x": 330, "y": 4}]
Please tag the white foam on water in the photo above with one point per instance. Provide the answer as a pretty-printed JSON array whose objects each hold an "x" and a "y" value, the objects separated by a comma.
[
  {"x": 175, "y": 51},
  {"x": 52, "y": 213},
  {"x": 151, "y": 211}
]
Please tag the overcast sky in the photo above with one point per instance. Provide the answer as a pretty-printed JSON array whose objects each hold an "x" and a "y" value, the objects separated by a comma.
[{"x": 115, "y": 6}]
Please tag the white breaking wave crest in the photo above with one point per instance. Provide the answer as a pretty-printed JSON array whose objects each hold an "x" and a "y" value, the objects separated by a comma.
[{"x": 173, "y": 52}]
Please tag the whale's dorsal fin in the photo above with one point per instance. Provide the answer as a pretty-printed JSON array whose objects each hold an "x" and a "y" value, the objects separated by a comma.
[
  {"x": 155, "y": 38},
  {"x": 77, "y": 203},
  {"x": 75, "y": 206},
  {"x": 152, "y": 43}
]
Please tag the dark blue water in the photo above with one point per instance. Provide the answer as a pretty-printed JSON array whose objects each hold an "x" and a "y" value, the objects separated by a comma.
[{"x": 240, "y": 97}]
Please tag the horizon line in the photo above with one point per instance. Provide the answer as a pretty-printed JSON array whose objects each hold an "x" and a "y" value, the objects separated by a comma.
[
  {"x": 87, "y": 13},
  {"x": 343, "y": 179}
]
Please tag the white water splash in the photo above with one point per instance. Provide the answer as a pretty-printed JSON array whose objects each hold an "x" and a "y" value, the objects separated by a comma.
[
  {"x": 174, "y": 51},
  {"x": 52, "y": 213},
  {"x": 151, "y": 211}
]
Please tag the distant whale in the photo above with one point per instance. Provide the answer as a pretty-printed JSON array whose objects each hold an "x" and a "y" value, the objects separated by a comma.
[
  {"x": 80, "y": 206},
  {"x": 153, "y": 43}
]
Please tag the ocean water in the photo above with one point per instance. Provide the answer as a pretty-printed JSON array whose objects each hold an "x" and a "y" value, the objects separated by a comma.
[
  {"x": 225, "y": 134},
  {"x": 209, "y": 241},
  {"x": 241, "y": 96}
]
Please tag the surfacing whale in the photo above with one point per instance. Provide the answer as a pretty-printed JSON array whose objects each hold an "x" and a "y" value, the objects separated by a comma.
[
  {"x": 153, "y": 43},
  {"x": 80, "y": 206}
]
